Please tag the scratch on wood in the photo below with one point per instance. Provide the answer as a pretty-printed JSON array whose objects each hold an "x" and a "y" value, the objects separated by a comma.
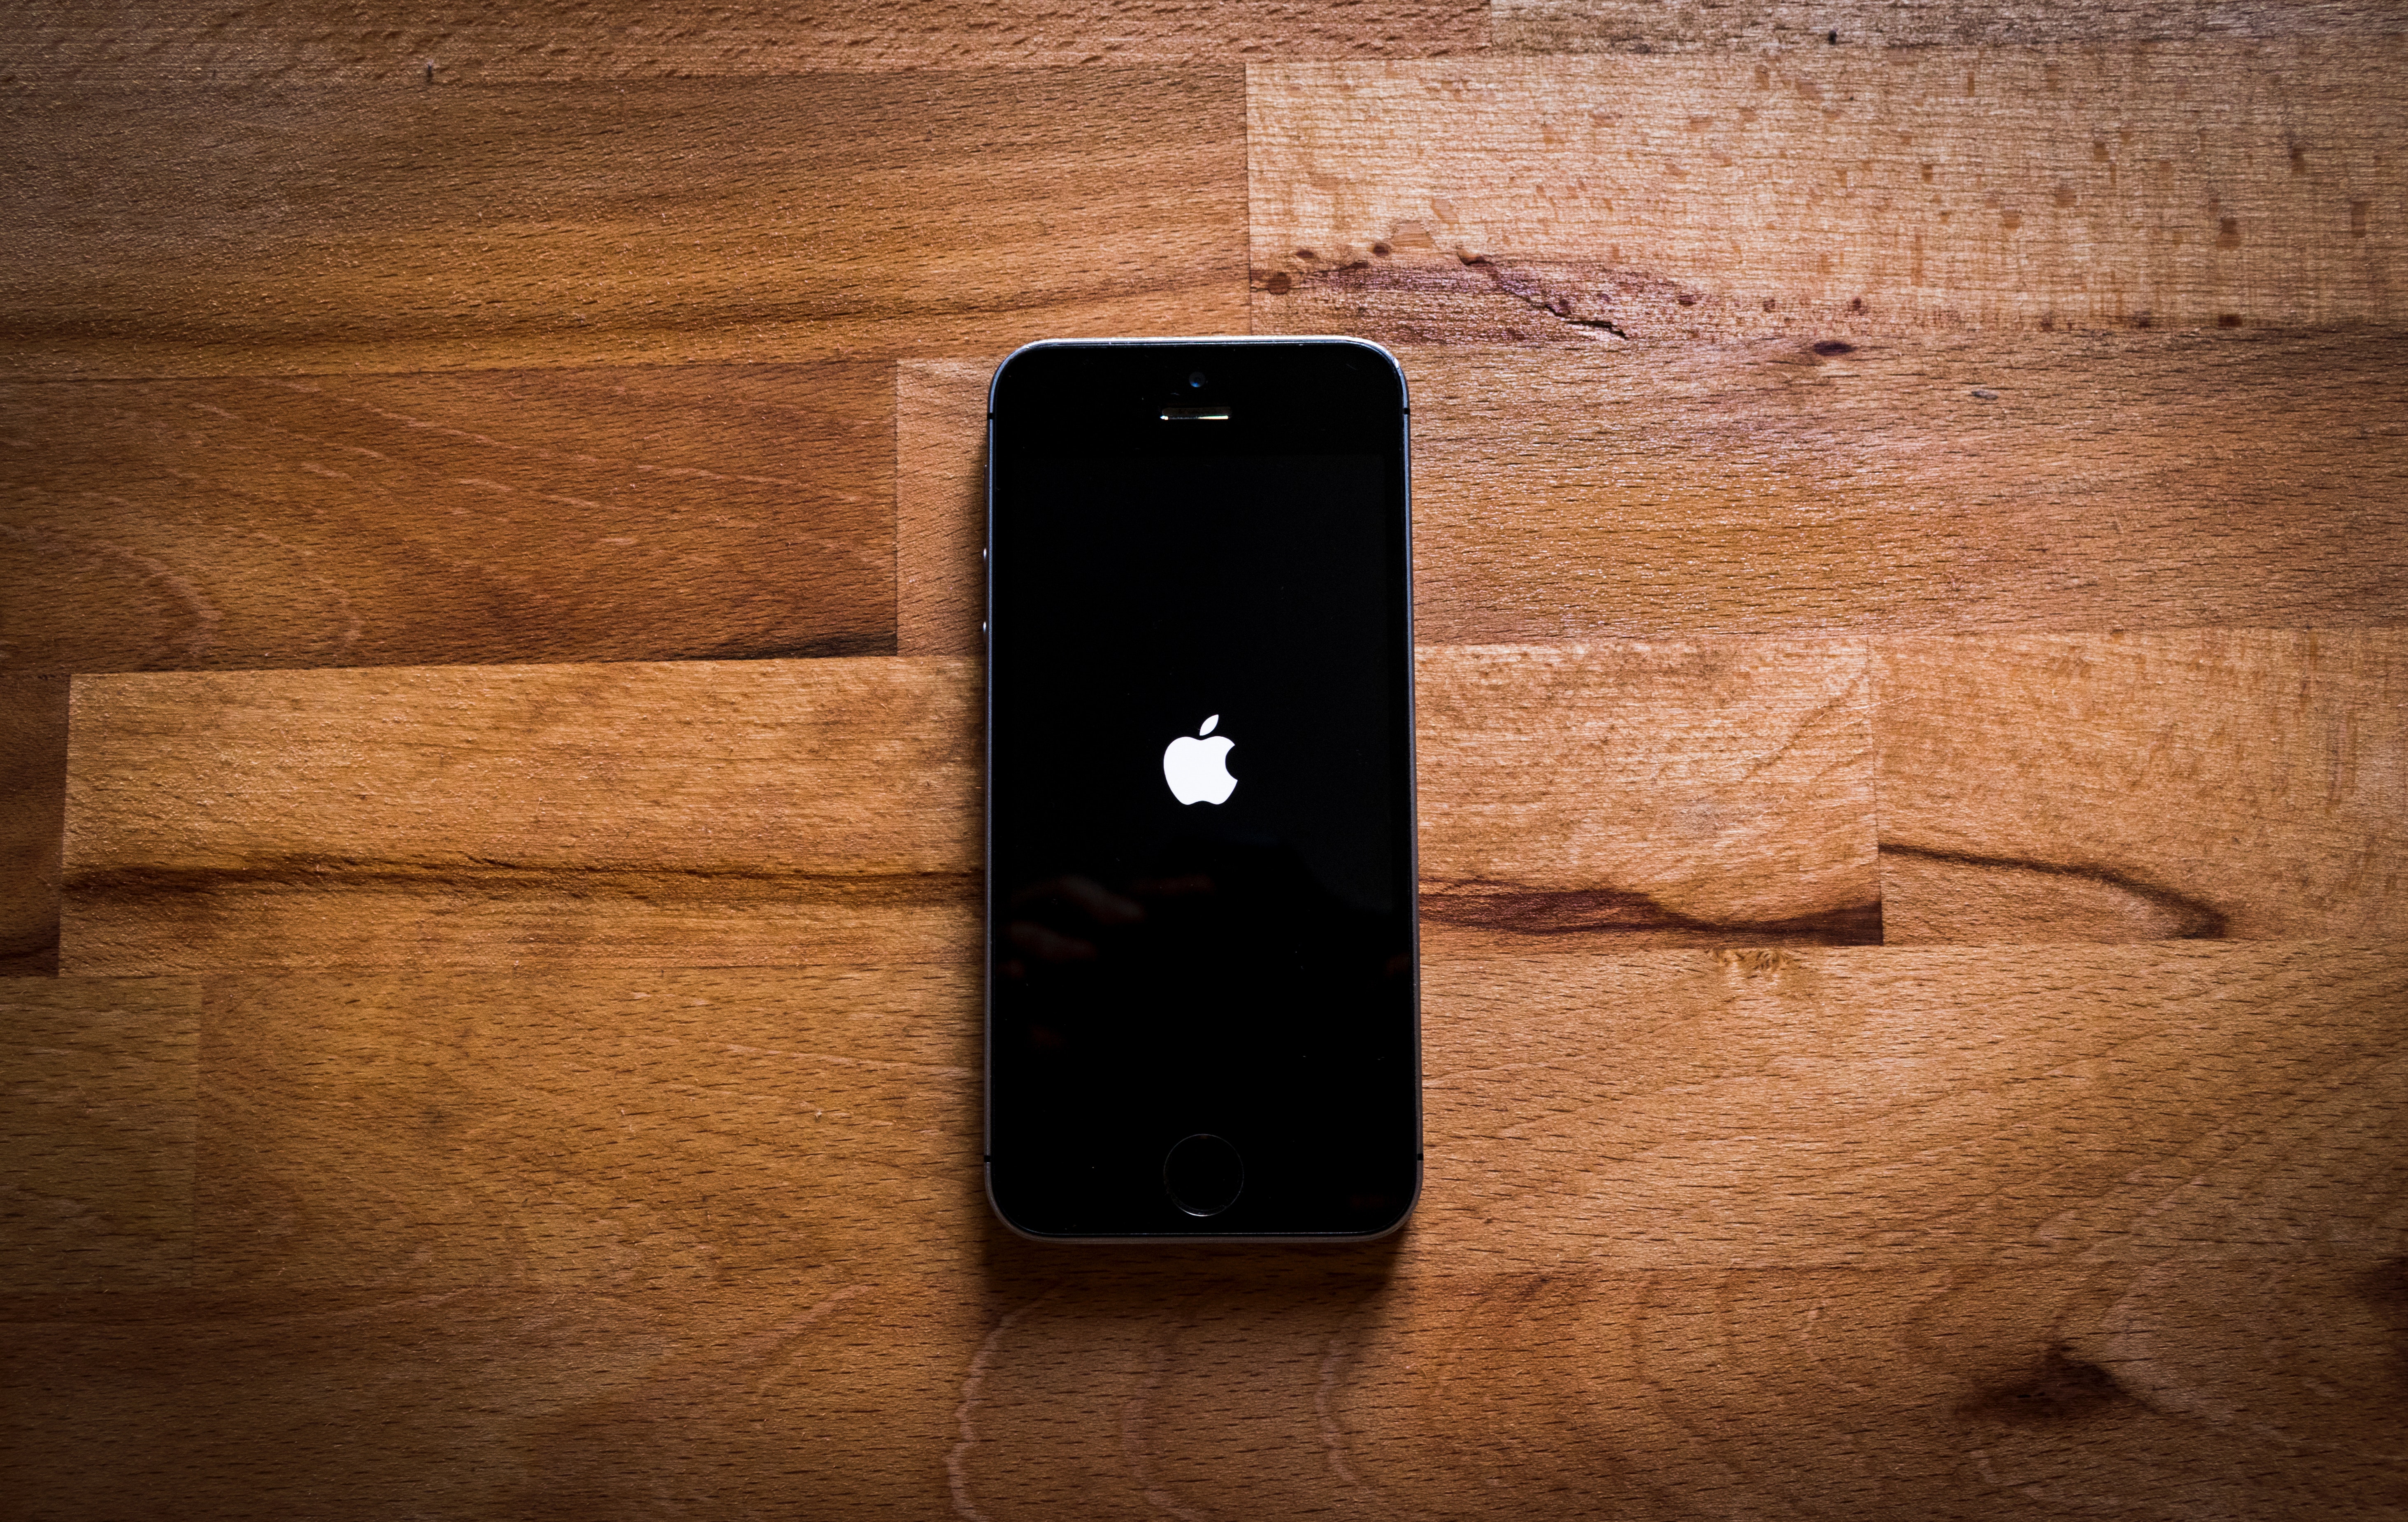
[
  {"x": 1856, "y": 695},
  {"x": 761, "y": 1346}
]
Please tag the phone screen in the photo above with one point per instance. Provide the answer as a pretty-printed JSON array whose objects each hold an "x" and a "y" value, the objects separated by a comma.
[{"x": 1202, "y": 1008}]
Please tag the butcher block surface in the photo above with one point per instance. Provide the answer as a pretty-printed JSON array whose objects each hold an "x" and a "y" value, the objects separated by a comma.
[{"x": 1911, "y": 537}]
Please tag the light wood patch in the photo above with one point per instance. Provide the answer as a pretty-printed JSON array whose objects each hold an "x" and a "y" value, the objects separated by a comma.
[
  {"x": 701, "y": 813},
  {"x": 1648, "y": 27},
  {"x": 830, "y": 217},
  {"x": 2137, "y": 786},
  {"x": 1645, "y": 795},
  {"x": 1830, "y": 192}
]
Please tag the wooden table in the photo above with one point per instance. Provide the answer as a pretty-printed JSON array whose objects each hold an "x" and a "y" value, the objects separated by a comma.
[{"x": 1911, "y": 541}]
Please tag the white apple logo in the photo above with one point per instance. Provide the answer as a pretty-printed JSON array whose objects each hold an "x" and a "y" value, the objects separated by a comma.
[{"x": 1198, "y": 769}]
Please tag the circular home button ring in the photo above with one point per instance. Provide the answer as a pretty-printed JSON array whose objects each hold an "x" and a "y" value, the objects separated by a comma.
[{"x": 1204, "y": 1175}]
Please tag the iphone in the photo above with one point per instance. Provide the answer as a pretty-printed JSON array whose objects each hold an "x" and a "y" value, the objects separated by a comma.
[{"x": 1202, "y": 991}]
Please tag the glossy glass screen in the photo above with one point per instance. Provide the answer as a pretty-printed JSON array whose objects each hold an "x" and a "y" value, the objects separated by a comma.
[{"x": 1200, "y": 869}]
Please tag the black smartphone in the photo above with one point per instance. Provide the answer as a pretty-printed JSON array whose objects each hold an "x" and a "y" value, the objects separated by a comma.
[{"x": 1203, "y": 1014}]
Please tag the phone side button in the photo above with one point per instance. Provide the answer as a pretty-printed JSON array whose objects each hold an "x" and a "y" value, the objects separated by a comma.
[{"x": 1204, "y": 1175}]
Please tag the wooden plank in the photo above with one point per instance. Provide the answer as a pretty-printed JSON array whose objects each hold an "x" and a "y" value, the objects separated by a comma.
[
  {"x": 302, "y": 40},
  {"x": 784, "y": 814},
  {"x": 1645, "y": 795},
  {"x": 1834, "y": 193},
  {"x": 2253, "y": 1389},
  {"x": 1847, "y": 1229},
  {"x": 599, "y": 514},
  {"x": 1855, "y": 1106},
  {"x": 32, "y": 815},
  {"x": 98, "y": 1130},
  {"x": 941, "y": 506},
  {"x": 824, "y": 217},
  {"x": 2049, "y": 483},
  {"x": 610, "y": 1132},
  {"x": 1646, "y": 26},
  {"x": 2135, "y": 787},
  {"x": 2057, "y": 482},
  {"x": 677, "y": 815},
  {"x": 1798, "y": 1394},
  {"x": 797, "y": 1130}
]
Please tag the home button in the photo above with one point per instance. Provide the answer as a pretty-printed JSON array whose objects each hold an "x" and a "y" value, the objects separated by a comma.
[{"x": 1203, "y": 1175}]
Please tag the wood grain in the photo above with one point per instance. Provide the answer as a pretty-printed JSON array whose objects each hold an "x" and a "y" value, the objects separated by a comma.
[
  {"x": 641, "y": 814},
  {"x": 827, "y": 217},
  {"x": 2050, "y": 482},
  {"x": 1830, "y": 192},
  {"x": 1853, "y": 1106},
  {"x": 2059, "y": 481},
  {"x": 786, "y": 814},
  {"x": 786, "y": 1129},
  {"x": 941, "y": 506},
  {"x": 1650, "y": 26},
  {"x": 1645, "y": 795},
  {"x": 101, "y": 1077},
  {"x": 1838, "y": 1231},
  {"x": 1821, "y": 1394},
  {"x": 2162, "y": 1393},
  {"x": 32, "y": 815},
  {"x": 594, "y": 514},
  {"x": 2134, "y": 786},
  {"x": 496, "y": 1207},
  {"x": 308, "y": 41},
  {"x": 798, "y": 1129}
]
